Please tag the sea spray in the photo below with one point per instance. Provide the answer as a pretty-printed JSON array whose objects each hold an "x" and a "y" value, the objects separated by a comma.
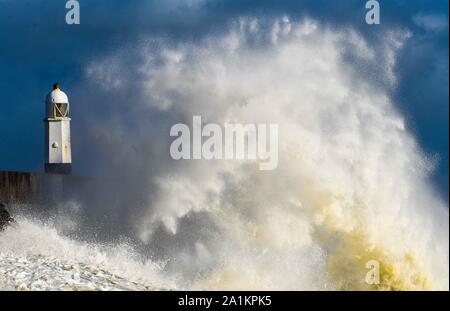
[
  {"x": 351, "y": 186},
  {"x": 351, "y": 180},
  {"x": 34, "y": 256}
]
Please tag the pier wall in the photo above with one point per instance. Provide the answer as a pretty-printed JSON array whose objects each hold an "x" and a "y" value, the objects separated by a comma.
[{"x": 24, "y": 187}]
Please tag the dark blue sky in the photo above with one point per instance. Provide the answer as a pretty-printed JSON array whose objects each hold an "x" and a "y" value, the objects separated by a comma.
[{"x": 37, "y": 48}]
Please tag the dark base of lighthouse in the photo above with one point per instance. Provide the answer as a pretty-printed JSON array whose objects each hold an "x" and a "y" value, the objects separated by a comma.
[{"x": 60, "y": 168}]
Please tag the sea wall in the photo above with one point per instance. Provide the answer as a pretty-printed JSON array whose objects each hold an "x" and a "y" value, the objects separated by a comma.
[
  {"x": 23, "y": 187},
  {"x": 19, "y": 187}
]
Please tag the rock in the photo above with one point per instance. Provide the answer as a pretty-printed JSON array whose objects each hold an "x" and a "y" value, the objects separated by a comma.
[{"x": 5, "y": 218}]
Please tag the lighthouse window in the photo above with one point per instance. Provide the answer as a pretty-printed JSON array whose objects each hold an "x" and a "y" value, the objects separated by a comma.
[{"x": 61, "y": 110}]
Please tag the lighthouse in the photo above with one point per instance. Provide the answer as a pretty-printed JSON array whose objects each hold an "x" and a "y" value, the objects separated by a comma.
[{"x": 58, "y": 154}]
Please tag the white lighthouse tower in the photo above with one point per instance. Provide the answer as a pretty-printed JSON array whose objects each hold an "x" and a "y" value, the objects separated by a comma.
[{"x": 58, "y": 154}]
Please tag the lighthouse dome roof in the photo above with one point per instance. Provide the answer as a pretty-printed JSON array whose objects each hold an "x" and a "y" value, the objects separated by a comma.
[
  {"x": 56, "y": 103},
  {"x": 57, "y": 97}
]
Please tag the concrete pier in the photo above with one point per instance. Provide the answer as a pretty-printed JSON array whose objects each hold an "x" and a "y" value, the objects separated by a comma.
[
  {"x": 18, "y": 187},
  {"x": 24, "y": 187}
]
